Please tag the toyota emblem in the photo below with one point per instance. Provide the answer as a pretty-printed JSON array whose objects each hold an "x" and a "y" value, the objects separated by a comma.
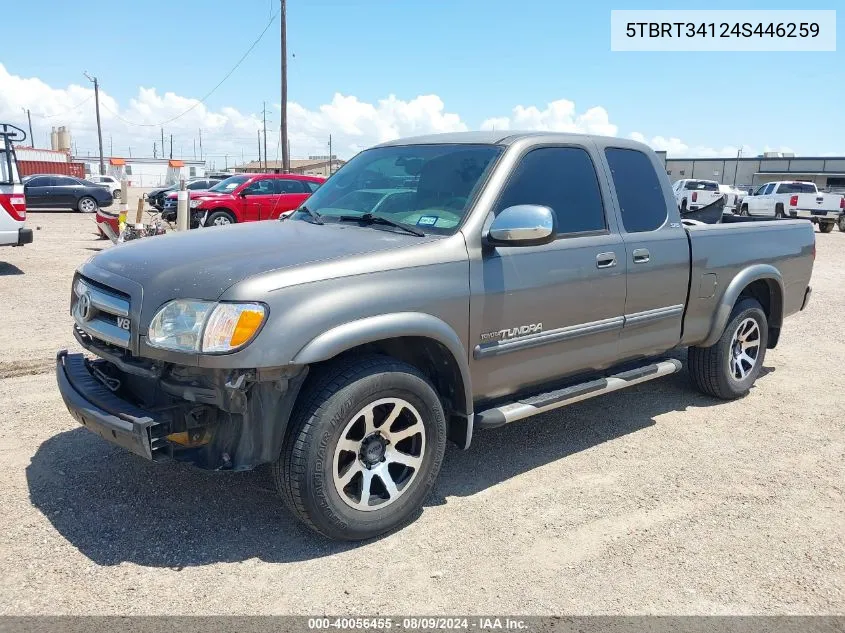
[{"x": 83, "y": 307}]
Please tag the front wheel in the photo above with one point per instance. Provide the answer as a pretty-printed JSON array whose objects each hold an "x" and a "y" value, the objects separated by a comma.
[
  {"x": 364, "y": 448},
  {"x": 826, "y": 227},
  {"x": 219, "y": 218},
  {"x": 728, "y": 369},
  {"x": 116, "y": 194},
  {"x": 743, "y": 210},
  {"x": 87, "y": 205}
]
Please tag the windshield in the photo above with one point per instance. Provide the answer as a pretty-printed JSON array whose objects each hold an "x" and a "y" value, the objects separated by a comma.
[
  {"x": 426, "y": 186},
  {"x": 230, "y": 184}
]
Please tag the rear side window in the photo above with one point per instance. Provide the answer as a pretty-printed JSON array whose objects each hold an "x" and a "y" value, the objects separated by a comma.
[
  {"x": 284, "y": 185},
  {"x": 638, "y": 190},
  {"x": 563, "y": 179},
  {"x": 312, "y": 186}
]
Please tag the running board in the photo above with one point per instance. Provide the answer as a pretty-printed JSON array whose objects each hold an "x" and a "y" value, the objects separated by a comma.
[{"x": 540, "y": 403}]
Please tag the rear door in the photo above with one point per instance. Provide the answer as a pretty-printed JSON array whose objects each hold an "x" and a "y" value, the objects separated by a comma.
[
  {"x": 290, "y": 194},
  {"x": 657, "y": 255}
]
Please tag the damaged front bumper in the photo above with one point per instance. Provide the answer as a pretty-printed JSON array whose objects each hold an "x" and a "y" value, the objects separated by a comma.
[{"x": 214, "y": 419}]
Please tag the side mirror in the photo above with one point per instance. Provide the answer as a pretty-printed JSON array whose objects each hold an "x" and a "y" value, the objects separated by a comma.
[
  {"x": 243, "y": 194},
  {"x": 522, "y": 225}
]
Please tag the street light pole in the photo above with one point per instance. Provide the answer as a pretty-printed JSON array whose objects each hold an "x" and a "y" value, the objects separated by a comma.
[{"x": 99, "y": 128}]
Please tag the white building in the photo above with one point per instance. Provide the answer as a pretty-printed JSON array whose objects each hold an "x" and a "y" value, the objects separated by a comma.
[{"x": 145, "y": 172}]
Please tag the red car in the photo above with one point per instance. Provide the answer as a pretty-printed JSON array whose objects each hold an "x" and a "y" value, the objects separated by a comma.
[{"x": 251, "y": 197}]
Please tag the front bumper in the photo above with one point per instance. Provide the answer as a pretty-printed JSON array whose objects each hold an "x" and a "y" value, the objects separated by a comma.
[
  {"x": 24, "y": 237},
  {"x": 109, "y": 416}
]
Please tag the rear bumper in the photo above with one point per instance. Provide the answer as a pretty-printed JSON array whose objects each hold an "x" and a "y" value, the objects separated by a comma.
[
  {"x": 809, "y": 214},
  {"x": 24, "y": 237},
  {"x": 104, "y": 413},
  {"x": 807, "y": 294}
]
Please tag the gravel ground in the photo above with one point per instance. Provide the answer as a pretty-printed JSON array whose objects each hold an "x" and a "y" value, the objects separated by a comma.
[{"x": 651, "y": 500}]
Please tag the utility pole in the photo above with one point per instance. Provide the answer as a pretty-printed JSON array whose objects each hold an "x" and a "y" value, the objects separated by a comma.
[
  {"x": 111, "y": 146},
  {"x": 171, "y": 147},
  {"x": 284, "y": 123},
  {"x": 330, "y": 154},
  {"x": 99, "y": 128},
  {"x": 31, "y": 135},
  {"x": 162, "y": 142},
  {"x": 200, "y": 143},
  {"x": 154, "y": 150},
  {"x": 736, "y": 167},
  {"x": 195, "y": 149},
  {"x": 259, "y": 148},
  {"x": 264, "y": 112}
]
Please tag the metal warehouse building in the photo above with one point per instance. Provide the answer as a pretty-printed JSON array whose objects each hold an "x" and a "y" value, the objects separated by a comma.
[{"x": 827, "y": 172}]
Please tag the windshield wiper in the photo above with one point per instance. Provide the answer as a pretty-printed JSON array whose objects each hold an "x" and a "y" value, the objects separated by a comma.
[
  {"x": 318, "y": 219},
  {"x": 369, "y": 218}
]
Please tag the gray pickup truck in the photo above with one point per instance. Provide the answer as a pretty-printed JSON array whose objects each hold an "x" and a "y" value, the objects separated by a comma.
[{"x": 432, "y": 287}]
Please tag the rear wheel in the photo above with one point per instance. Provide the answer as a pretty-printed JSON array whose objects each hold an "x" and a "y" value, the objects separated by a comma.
[
  {"x": 683, "y": 206},
  {"x": 778, "y": 210},
  {"x": 364, "y": 448},
  {"x": 729, "y": 368},
  {"x": 841, "y": 223},
  {"x": 87, "y": 204},
  {"x": 116, "y": 194},
  {"x": 826, "y": 227}
]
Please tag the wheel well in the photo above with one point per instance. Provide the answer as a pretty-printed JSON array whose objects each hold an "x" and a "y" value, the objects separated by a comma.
[
  {"x": 768, "y": 294},
  {"x": 224, "y": 210},
  {"x": 436, "y": 362}
]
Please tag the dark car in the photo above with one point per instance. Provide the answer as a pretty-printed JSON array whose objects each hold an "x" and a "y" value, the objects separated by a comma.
[
  {"x": 65, "y": 192},
  {"x": 156, "y": 197}
]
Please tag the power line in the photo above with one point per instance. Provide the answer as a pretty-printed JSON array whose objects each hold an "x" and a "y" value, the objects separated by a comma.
[
  {"x": 71, "y": 109},
  {"x": 210, "y": 92}
]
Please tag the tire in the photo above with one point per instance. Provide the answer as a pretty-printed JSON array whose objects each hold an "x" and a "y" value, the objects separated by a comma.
[
  {"x": 712, "y": 369},
  {"x": 87, "y": 204},
  {"x": 683, "y": 206},
  {"x": 220, "y": 218},
  {"x": 116, "y": 194},
  {"x": 313, "y": 465},
  {"x": 826, "y": 227},
  {"x": 743, "y": 210},
  {"x": 778, "y": 210},
  {"x": 841, "y": 223}
]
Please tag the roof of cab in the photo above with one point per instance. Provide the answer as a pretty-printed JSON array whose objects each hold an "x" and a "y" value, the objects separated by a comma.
[{"x": 508, "y": 137}]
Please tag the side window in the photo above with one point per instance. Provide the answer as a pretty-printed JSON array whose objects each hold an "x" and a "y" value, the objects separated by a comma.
[
  {"x": 769, "y": 188},
  {"x": 563, "y": 179},
  {"x": 260, "y": 188},
  {"x": 64, "y": 181},
  {"x": 128, "y": 170},
  {"x": 38, "y": 181},
  {"x": 284, "y": 185},
  {"x": 312, "y": 186},
  {"x": 638, "y": 190},
  {"x": 192, "y": 171}
]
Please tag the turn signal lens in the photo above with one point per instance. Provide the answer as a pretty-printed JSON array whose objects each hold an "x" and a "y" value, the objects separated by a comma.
[{"x": 232, "y": 325}]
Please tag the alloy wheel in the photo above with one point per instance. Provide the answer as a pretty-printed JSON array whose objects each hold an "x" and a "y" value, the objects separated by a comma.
[
  {"x": 379, "y": 454},
  {"x": 745, "y": 349}
]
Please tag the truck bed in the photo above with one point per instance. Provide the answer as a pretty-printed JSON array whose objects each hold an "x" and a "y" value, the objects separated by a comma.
[{"x": 719, "y": 252}]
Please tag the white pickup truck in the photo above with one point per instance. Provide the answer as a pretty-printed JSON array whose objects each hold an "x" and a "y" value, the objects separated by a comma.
[
  {"x": 694, "y": 194},
  {"x": 12, "y": 198},
  {"x": 795, "y": 199}
]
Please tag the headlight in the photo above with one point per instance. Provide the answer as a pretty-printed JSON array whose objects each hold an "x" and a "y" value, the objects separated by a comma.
[
  {"x": 203, "y": 326},
  {"x": 195, "y": 203}
]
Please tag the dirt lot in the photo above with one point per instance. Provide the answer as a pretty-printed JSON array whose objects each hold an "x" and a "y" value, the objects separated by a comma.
[{"x": 654, "y": 500}]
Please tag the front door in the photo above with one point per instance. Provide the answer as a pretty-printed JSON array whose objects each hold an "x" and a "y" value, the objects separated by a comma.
[
  {"x": 555, "y": 309},
  {"x": 258, "y": 198},
  {"x": 657, "y": 253},
  {"x": 37, "y": 191}
]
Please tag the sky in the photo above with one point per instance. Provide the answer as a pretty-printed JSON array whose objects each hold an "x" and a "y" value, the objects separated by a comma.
[{"x": 367, "y": 71}]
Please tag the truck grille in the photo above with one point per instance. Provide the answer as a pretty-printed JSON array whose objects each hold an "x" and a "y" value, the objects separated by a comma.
[{"x": 101, "y": 313}]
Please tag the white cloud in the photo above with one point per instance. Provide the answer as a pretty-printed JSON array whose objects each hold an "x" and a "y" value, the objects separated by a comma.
[
  {"x": 229, "y": 134},
  {"x": 557, "y": 116}
]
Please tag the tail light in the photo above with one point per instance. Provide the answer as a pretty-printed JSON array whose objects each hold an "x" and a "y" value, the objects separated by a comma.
[
  {"x": 694, "y": 196},
  {"x": 842, "y": 203},
  {"x": 793, "y": 201},
  {"x": 15, "y": 205}
]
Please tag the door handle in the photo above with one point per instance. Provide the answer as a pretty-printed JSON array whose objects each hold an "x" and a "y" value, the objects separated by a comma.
[
  {"x": 606, "y": 260},
  {"x": 641, "y": 255}
]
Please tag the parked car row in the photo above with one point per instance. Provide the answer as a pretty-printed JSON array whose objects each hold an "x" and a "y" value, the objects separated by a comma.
[{"x": 795, "y": 199}]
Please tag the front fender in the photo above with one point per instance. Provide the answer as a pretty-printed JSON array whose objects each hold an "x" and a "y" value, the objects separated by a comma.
[
  {"x": 741, "y": 281},
  {"x": 386, "y": 326}
]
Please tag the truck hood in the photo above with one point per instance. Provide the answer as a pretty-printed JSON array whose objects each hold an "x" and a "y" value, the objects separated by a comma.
[{"x": 203, "y": 263}]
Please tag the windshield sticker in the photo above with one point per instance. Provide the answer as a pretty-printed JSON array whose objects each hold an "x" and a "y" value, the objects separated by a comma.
[{"x": 427, "y": 220}]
